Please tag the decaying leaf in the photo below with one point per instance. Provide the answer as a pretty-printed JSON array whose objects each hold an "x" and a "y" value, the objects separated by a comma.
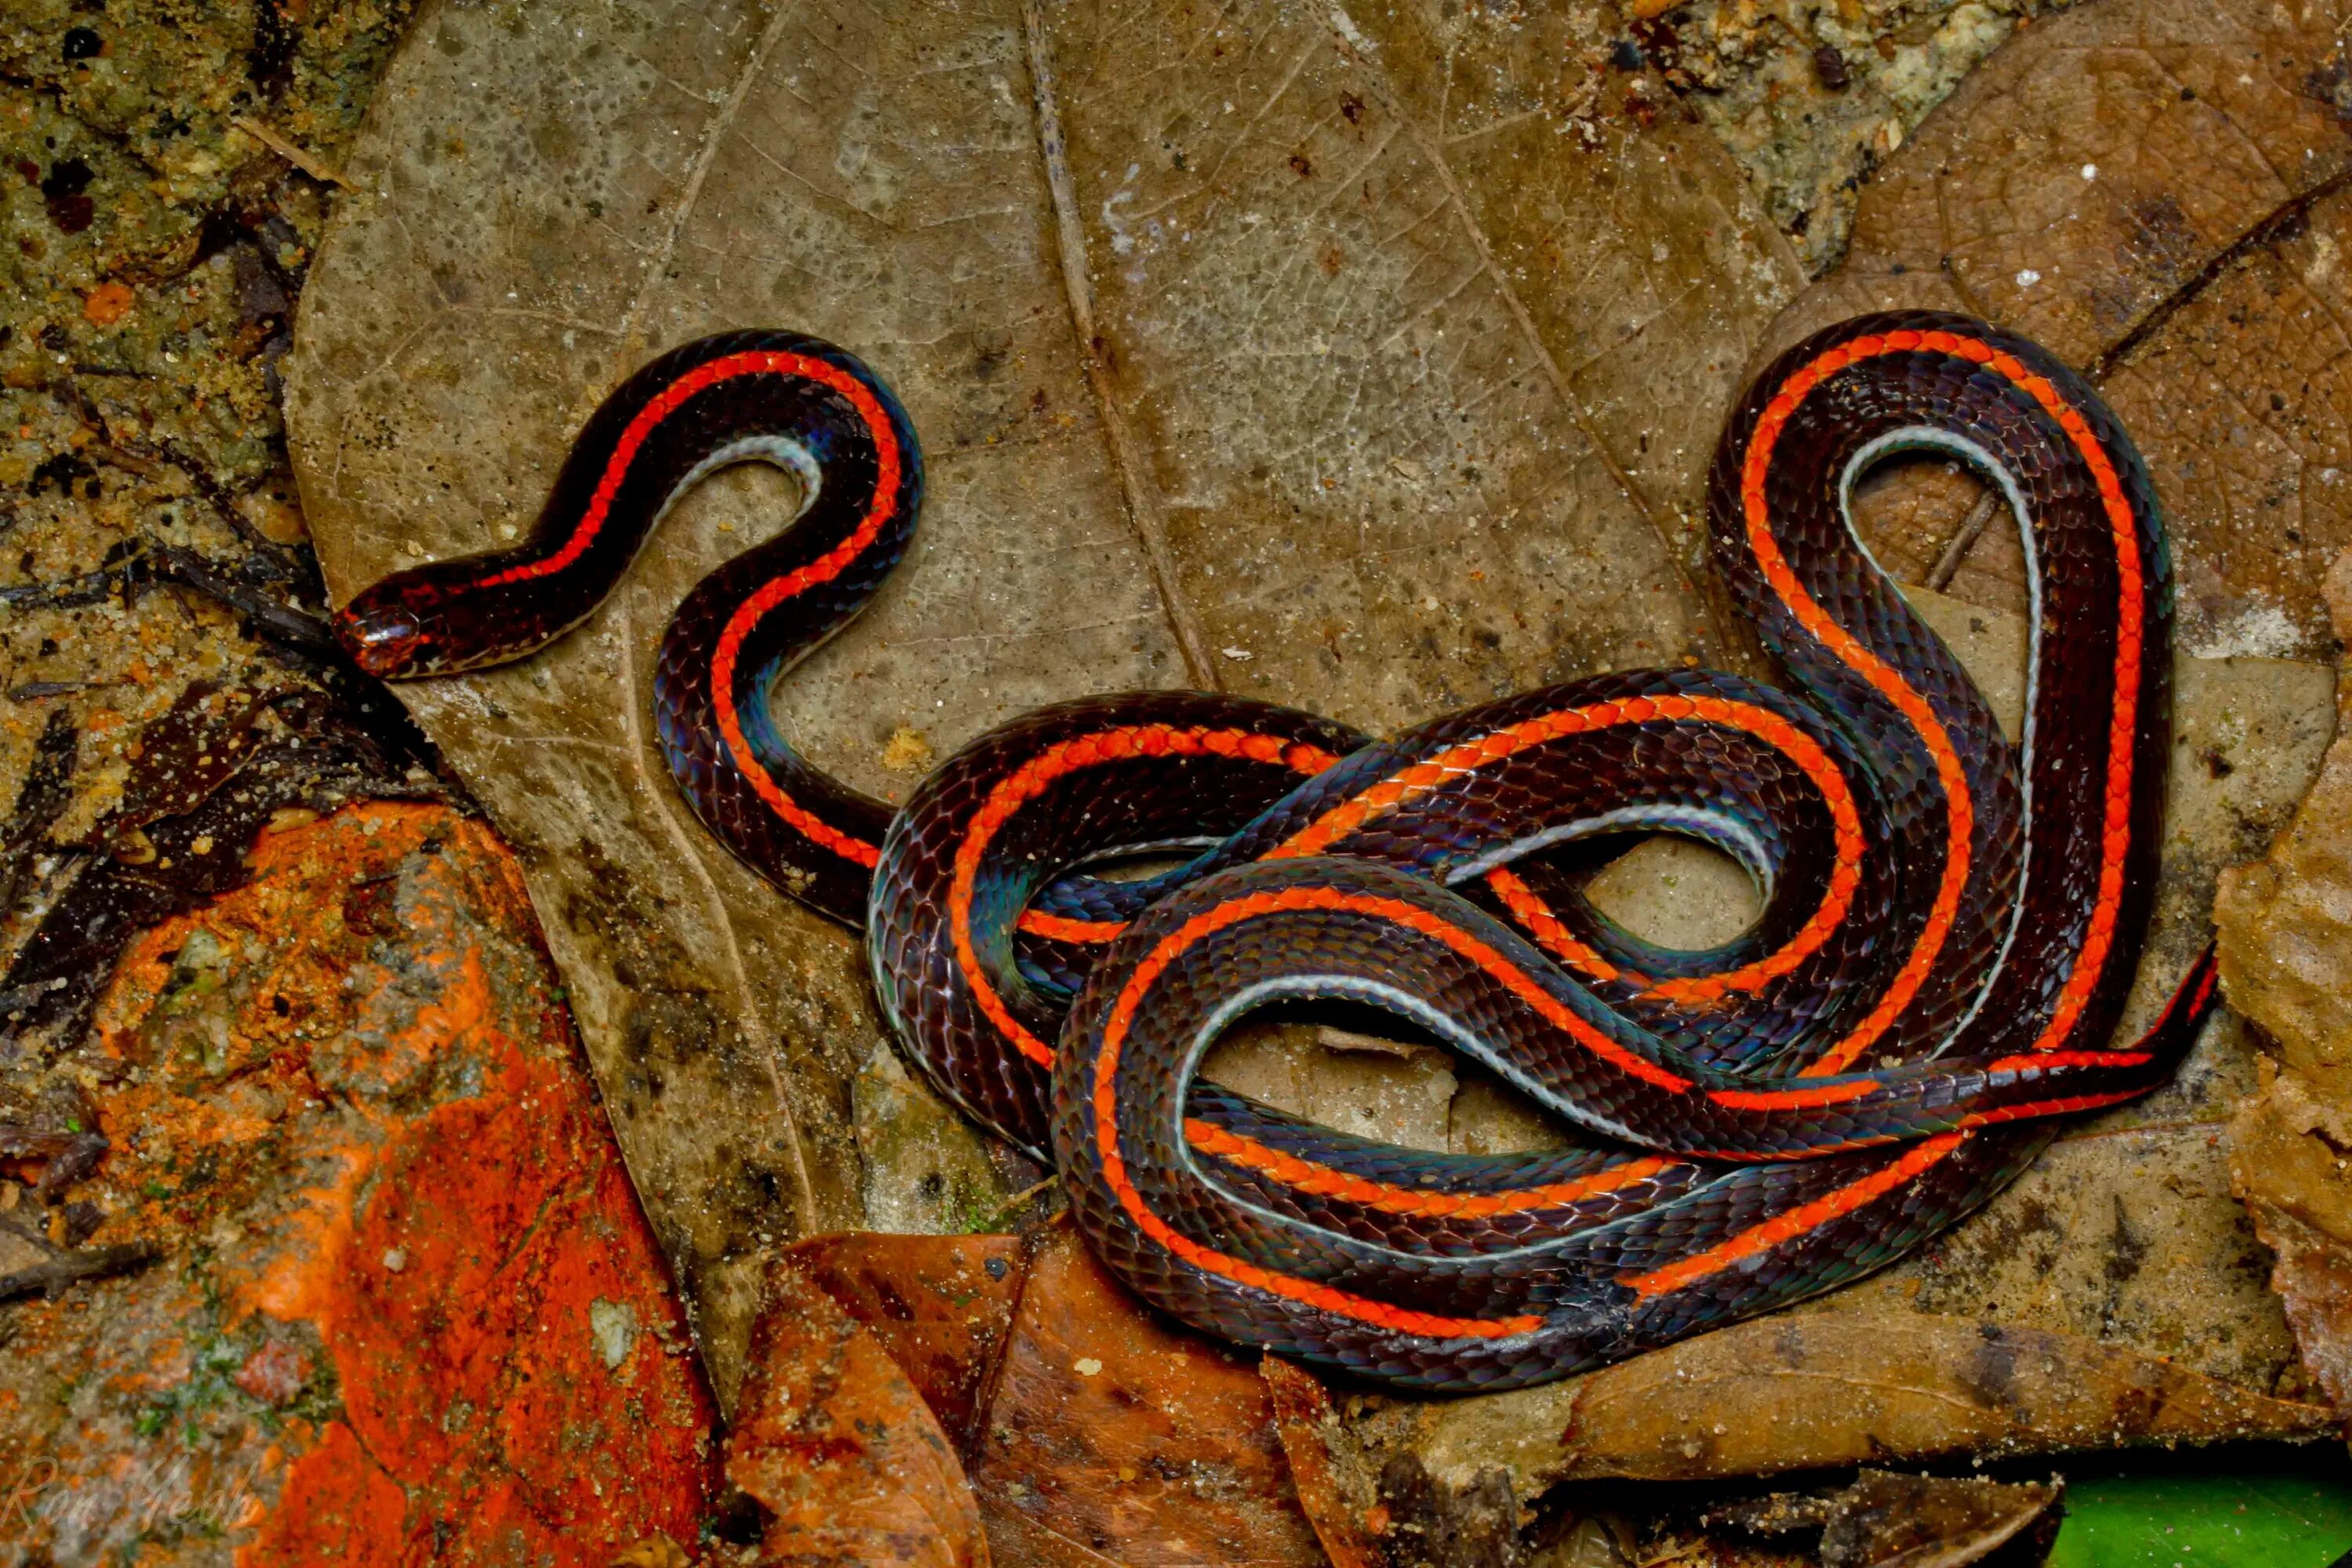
[
  {"x": 1109, "y": 1430},
  {"x": 941, "y": 1307},
  {"x": 1298, "y": 351},
  {"x": 1092, "y": 1430},
  {"x": 1330, "y": 1489},
  {"x": 846, "y": 1463},
  {"x": 2312, "y": 1275},
  {"x": 1883, "y": 1519},
  {"x": 2283, "y": 946},
  {"x": 2147, "y": 188},
  {"x": 1822, "y": 1389},
  {"x": 2150, "y": 189},
  {"x": 2282, "y": 933}
]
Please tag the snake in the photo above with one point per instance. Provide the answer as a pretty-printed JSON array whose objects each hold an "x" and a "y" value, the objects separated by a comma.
[{"x": 1070, "y": 912}]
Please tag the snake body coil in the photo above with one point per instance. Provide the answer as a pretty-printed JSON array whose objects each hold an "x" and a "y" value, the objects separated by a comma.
[{"x": 1951, "y": 920}]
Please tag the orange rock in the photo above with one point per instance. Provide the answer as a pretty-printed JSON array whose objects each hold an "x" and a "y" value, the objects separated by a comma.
[{"x": 408, "y": 1305}]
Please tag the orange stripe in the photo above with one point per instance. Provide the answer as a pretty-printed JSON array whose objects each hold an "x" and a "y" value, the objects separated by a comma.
[
  {"x": 640, "y": 428},
  {"x": 1320, "y": 1181},
  {"x": 824, "y": 569},
  {"x": 1410, "y": 782},
  {"x": 1528, "y": 907},
  {"x": 1960, "y": 813},
  {"x": 1058, "y": 928},
  {"x": 2037, "y": 1060},
  {"x": 1032, "y": 779},
  {"x": 1795, "y": 1222},
  {"x": 2069, "y": 1105},
  {"x": 1793, "y": 1099},
  {"x": 2123, "y": 721}
]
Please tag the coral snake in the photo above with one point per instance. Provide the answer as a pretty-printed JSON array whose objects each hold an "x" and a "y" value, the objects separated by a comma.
[{"x": 1951, "y": 919}]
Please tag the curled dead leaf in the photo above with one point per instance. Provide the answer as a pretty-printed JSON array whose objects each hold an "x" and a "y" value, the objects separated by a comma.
[
  {"x": 1883, "y": 1519},
  {"x": 1825, "y": 1388},
  {"x": 846, "y": 1462}
]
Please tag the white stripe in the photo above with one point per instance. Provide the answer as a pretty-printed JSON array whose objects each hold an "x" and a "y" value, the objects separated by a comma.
[{"x": 1924, "y": 437}]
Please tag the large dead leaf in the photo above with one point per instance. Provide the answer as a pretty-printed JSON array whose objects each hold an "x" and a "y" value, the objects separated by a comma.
[
  {"x": 1364, "y": 359},
  {"x": 2283, "y": 933},
  {"x": 1276, "y": 348},
  {"x": 941, "y": 1306},
  {"x": 2157, "y": 190},
  {"x": 2150, "y": 188},
  {"x": 1093, "y": 1430},
  {"x": 2154, "y": 189}
]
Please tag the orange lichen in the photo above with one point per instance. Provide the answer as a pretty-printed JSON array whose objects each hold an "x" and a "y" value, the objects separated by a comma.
[{"x": 407, "y": 1289}]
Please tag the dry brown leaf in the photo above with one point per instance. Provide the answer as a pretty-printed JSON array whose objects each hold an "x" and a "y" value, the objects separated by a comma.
[
  {"x": 1111, "y": 1433},
  {"x": 941, "y": 1307},
  {"x": 1329, "y": 1488},
  {"x": 1841, "y": 1388},
  {"x": 2150, "y": 189},
  {"x": 2127, "y": 1230},
  {"x": 2285, "y": 941},
  {"x": 1107, "y": 1433},
  {"x": 844, "y": 1459},
  {"x": 1375, "y": 392},
  {"x": 2282, "y": 948},
  {"x": 1826, "y": 1389},
  {"x": 1883, "y": 1519},
  {"x": 1309, "y": 355}
]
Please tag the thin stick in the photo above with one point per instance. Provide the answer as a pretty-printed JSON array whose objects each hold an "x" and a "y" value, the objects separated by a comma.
[
  {"x": 1972, "y": 527},
  {"x": 325, "y": 174}
]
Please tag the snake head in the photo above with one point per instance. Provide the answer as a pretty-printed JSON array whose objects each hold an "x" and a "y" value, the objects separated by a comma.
[{"x": 400, "y": 628}]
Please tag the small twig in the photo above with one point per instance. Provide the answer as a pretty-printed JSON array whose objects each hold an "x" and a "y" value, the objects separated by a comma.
[
  {"x": 1972, "y": 527},
  {"x": 1016, "y": 1203},
  {"x": 62, "y": 1266},
  {"x": 72, "y": 1154},
  {"x": 325, "y": 174},
  {"x": 122, "y": 458},
  {"x": 70, "y": 592},
  {"x": 34, "y": 690},
  {"x": 151, "y": 460},
  {"x": 269, "y": 618}
]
